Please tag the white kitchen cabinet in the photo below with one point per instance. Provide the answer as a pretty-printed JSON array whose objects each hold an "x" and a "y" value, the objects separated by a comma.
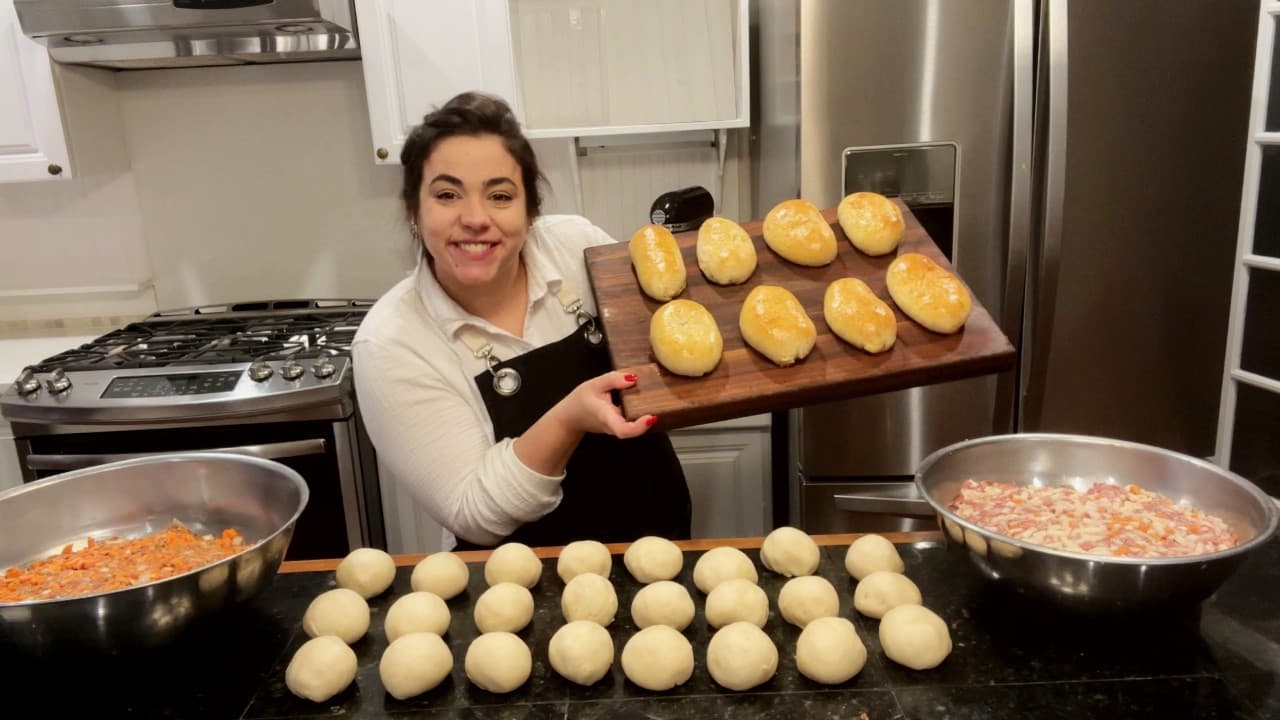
[
  {"x": 726, "y": 464},
  {"x": 419, "y": 53},
  {"x": 56, "y": 121},
  {"x": 32, "y": 143},
  {"x": 579, "y": 68}
]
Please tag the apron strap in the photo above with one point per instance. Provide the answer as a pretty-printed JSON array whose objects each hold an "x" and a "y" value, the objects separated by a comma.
[{"x": 506, "y": 381}]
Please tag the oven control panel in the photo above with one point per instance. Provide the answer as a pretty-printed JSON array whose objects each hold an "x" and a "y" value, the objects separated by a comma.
[{"x": 232, "y": 388}]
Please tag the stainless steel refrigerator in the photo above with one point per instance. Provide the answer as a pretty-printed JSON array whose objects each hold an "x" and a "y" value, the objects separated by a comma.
[{"x": 1079, "y": 161}]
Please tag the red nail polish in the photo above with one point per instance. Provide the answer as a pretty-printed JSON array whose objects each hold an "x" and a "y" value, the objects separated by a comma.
[
  {"x": 629, "y": 377},
  {"x": 652, "y": 419}
]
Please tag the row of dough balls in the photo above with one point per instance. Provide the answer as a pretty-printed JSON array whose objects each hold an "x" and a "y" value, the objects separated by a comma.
[
  {"x": 417, "y": 659},
  {"x": 794, "y": 229}
]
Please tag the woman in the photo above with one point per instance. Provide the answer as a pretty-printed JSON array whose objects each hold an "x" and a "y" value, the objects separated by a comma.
[{"x": 483, "y": 378}]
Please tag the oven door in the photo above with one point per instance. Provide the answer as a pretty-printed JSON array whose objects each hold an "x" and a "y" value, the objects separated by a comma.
[{"x": 320, "y": 451}]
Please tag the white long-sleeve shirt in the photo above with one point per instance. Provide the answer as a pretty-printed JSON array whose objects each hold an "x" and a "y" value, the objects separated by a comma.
[{"x": 415, "y": 384}]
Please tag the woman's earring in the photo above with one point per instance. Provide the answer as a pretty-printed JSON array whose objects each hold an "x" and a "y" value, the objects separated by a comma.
[{"x": 414, "y": 231}]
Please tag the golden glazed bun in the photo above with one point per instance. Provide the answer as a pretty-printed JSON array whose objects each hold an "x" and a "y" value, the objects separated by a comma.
[
  {"x": 774, "y": 323},
  {"x": 871, "y": 221},
  {"x": 928, "y": 293},
  {"x": 659, "y": 266},
  {"x": 725, "y": 252},
  {"x": 857, "y": 316},
  {"x": 795, "y": 230},
  {"x": 685, "y": 339}
]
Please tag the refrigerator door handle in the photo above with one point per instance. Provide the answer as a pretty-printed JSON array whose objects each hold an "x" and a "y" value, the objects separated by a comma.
[
  {"x": 1024, "y": 19},
  {"x": 902, "y": 499},
  {"x": 1049, "y": 165}
]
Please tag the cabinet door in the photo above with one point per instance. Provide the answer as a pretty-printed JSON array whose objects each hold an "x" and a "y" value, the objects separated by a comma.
[
  {"x": 417, "y": 54},
  {"x": 32, "y": 144},
  {"x": 728, "y": 475}
]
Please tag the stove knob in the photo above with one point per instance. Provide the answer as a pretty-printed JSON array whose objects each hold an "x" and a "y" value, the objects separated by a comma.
[
  {"x": 292, "y": 370},
  {"x": 323, "y": 367},
  {"x": 259, "y": 371},
  {"x": 58, "y": 381},
  {"x": 27, "y": 382}
]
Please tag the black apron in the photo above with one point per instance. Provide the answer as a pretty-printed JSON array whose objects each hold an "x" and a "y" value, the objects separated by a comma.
[{"x": 614, "y": 490}]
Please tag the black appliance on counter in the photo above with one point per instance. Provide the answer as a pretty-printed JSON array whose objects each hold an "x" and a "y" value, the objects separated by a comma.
[
  {"x": 270, "y": 379},
  {"x": 683, "y": 209}
]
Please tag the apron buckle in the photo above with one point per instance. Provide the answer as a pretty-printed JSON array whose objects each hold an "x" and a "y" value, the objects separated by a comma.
[
  {"x": 507, "y": 381},
  {"x": 591, "y": 332}
]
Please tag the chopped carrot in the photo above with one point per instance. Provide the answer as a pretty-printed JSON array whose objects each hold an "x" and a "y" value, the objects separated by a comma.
[{"x": 116, "y": 563}]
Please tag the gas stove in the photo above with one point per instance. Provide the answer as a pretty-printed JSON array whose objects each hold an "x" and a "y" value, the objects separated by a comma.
[
  {"x": 208, "y": 362},
  {"x": 269, "y": 379}
]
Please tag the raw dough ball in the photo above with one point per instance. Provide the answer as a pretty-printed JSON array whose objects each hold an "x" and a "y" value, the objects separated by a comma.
[
  {"x": 658, "y": 658},
  {"x": 662, "y": 603},
  {"x": 589, "y": 597},
  {"x": 340, "y": 612},
  {"x": 653, "y": 558},
  {"x": 322, "y": 668},
  {"x": 442, "y": 573},
  {"x": 791, "y": 552},
  {"x": 723, "y": 563},
  {"x": 513, "y": 562},
  {"x": 915, "y": 636},
  {"x": 505, "y": 607},
  {"x": 737, "y": 600},
  {"x": 368, "y": 571},
  {"x": 807, "y": 598},
  {"x": 417, "y": 612},
  {"x": 882, "y": 591},
  {"x": 870, "y": 553},
  {"x": 584, "y": 556},
  {"x": 740, "y": 656},
  {"x": 581, "y": 651},
  {"x": 829, "y": 651},
  {"x": 498, "y": 662},
  {"x": 414, "y": 664}
]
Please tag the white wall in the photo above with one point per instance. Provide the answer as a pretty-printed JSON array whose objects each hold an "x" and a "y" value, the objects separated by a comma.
[{"x": 256, "y": 182}]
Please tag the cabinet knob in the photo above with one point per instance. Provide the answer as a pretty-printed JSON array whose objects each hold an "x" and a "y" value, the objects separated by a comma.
[
  {"x": 55, "y": 169},
  {"x": 381, "y": 153}
]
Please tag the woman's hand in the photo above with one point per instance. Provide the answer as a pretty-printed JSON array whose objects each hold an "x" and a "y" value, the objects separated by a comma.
[
  {"x": 547, "y": 445},
  {"x": 590, "y": 409}
]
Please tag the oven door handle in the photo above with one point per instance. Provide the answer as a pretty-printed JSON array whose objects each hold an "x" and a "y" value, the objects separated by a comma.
[
  {"x": 269, "y": 451},
  {"x": 897, "y": 499}
]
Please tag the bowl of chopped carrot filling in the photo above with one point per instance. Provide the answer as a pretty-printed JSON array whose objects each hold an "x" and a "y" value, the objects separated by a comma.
[
  {"x": 1095, "y": 524},
  {"x": 129, "y": 554}
]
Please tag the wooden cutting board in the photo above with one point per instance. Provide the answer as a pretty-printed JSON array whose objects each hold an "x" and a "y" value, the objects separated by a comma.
[{"x": 745, "y": 382}]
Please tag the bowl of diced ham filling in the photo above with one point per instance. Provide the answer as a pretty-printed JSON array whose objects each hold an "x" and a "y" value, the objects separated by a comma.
[{"x": 1094, "y": 523}]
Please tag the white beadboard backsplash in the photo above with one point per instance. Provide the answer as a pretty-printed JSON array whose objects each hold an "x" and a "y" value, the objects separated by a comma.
[
  {"x": 618, "y": 65},
  {"x": 619, "y": 185}
]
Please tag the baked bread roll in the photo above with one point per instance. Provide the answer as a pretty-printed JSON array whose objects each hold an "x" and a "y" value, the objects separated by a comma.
[
  {"x": 795, "y": 230},
  {"x": 726, "y": 254},
  {"x": 871, "y": 221},
  {"x": 685, "y": 339},
  {"x": 928, "y": 293},
  {"x": 659, "y": 266},
  {"x": 774, "y": 323},
  {"x": 858, "y": 317}
]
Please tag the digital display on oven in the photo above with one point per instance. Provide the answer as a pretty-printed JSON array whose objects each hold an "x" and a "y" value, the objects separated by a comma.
[{"x": 144, "y": 386}]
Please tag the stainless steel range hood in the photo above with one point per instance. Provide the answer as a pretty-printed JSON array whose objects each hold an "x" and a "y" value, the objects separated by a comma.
[{"x": 140, "y": 34}]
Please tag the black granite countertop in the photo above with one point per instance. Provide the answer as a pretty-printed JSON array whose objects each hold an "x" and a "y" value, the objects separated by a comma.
[{"x": 1012, "y": 659}]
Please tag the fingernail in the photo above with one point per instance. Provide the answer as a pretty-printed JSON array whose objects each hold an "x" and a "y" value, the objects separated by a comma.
[
  {"x": 629, "y": 377},
  {"x": 652, "y": 419}
]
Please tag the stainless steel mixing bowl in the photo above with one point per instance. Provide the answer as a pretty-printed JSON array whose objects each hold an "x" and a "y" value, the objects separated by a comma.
[
  {"x": 206, "y": 491},
  {"x": 1092, "y": 582}
]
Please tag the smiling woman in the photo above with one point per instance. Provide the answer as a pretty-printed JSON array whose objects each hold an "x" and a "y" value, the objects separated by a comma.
[{"x": 483, "y": 378}]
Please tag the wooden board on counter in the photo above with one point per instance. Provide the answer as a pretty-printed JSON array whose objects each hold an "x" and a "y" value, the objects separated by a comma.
[{"x": 745, "y": 382}]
